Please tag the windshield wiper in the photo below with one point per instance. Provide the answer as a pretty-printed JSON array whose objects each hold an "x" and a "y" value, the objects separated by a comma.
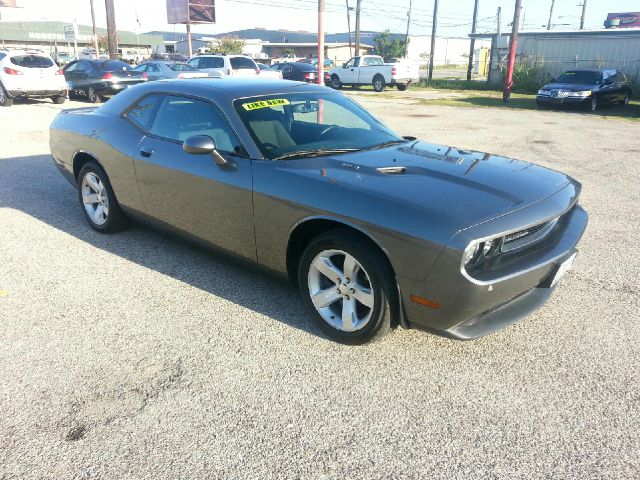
[
  {"x": 316, "y": 152},
  {"x": 388, "y": 144}
]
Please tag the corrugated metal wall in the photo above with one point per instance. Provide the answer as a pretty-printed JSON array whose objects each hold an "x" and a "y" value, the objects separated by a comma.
[{"x": 598, "y": 51}]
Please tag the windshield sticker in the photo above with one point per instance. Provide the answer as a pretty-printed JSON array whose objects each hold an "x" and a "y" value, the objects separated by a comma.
[{"x": 265, "y": 103}]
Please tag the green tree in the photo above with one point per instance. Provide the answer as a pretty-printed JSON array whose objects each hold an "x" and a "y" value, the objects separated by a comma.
[
  {"x": 388, "y": 48},
  {"x": 227, "y": 44},
  {"x": 288, "y": 51}
]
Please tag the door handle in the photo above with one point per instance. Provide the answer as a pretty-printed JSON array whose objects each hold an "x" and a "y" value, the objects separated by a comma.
[{"x": 146, "y": 152}]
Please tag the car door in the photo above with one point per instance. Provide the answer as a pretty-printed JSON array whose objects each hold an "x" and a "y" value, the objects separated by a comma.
[
  {"x": 190, "y": 192},
  {"x": 153, "y": 71},
  {"x": 608, "y": 90},
  {"x": 349, "y": 73},
  {"x": 287, "y": 72}
]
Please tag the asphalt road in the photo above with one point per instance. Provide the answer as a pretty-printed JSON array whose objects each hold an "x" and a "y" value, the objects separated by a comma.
[{"x": 138, "y": 356}]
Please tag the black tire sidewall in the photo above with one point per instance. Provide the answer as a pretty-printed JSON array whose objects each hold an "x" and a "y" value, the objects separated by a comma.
[
  {"x": 381, "y": 81},
  {"x": 7, "y": 100},
  {"x": 368, "y": 256},
  {"x": 115, "y": 218},
  {"x": 96, "y": 98},
  {"x": 336, "y": 84}
]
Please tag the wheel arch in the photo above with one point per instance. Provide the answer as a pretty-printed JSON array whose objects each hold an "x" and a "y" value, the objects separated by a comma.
[
  {"x": 80, "y": 159},
  {"x": 307, "y": 229}
]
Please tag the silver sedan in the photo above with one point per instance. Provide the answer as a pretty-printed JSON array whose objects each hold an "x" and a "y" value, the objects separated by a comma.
[{"x": 162, "y": 70}]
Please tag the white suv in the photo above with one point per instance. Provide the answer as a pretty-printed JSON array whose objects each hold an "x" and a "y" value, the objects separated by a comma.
[
  {"x": 239, "y": 65},
  {"x": 29, "y": 73}
]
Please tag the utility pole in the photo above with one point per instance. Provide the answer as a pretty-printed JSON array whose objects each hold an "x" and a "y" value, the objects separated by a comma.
[
  {"x": 406, "y": 37},
  {"x": 189, "y": 44},
  {"x": 349, "y": 28},
  {"x": 473, "y": 40},
  {"x": 93, "y": 24},
  {"x": 433, "y": 39},
  {"x": 584, "y": 11},
  {"x": 508, "y": 79},
  {"x": 494, "y": 46},
  {"x": 357, "y": 53},
  {"x": 112, "y": 39},
  {"x": 320, "y": 42},
  {"x": 553, "y": 2}
]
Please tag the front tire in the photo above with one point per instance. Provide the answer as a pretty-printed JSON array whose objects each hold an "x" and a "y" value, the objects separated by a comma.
[
  {"x": 5, "y": 101},
  {"x": 59, "y": 99},
  {"x": 348, "y": 286},
  {"x": 99, "y": 203},
  {"x": 595, "y": 103},
  {"x": 336, "y": 84},
  {"x": 378, "y": 83},
  {"x": 402, "y": 87},
  {"x": 625, "y": 100}
]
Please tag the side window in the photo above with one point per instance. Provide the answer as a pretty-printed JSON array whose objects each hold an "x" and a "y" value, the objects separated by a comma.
[
  {"x": 141, "y": 113},
  {"x": 356, "y": 62},
  {"x": 349, "y": 64},
  {"x": 179, "y": 118},
  {"x": 211, "y": 62},
  {"x": 287, "y": 69},
  {"x": 195, "y": 62},
  {"x": 71, "y": 67},
  {"x": 153, "y": 68}
]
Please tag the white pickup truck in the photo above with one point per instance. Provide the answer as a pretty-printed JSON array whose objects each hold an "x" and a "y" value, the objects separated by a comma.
[{"x": 371, "y": 70}]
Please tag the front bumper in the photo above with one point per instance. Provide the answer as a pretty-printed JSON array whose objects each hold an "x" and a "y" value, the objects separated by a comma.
[
  {"x": 546, "y": 100},
  {"x": 470, "y": 307}
]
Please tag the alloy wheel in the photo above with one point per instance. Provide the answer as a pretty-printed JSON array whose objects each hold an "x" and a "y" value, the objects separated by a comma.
[
  {"x": 341, "y": 290},
  {"x": 95, "y": 199},
  {"x": 91, "y": 95}
]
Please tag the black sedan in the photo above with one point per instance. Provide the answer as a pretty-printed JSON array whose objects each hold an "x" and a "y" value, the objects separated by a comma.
[
  {"x": 98, "y": 80},
  {"x": 377, "y": 230},
  {"x": 302, "y": 72},
  {"x": 591, "y": 88}
]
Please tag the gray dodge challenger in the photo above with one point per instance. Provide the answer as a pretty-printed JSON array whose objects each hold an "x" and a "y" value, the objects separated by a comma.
[{"x": 375, "y": 229}]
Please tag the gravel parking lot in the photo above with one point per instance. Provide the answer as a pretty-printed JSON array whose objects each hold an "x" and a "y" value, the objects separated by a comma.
[{"x": 136, "y": 355}]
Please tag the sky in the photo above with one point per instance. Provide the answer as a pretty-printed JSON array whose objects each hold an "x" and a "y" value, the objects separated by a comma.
[{"x": 454, "y": 17}]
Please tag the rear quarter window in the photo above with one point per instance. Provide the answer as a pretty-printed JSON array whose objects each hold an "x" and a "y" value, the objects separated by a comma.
[
  {"x": 242, "y": 62},
  {"x": 32, "y": 61},
  {"x": 141, "y": 114},
  {"x": 211, "y": 62}
]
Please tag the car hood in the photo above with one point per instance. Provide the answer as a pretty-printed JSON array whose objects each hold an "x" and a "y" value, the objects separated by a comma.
[
  {"x": 461, "y": 188},
  {"x": 572, "y": 87}
]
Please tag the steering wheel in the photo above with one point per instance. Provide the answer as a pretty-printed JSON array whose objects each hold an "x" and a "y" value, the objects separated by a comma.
[{"x": 330, "y": 128}]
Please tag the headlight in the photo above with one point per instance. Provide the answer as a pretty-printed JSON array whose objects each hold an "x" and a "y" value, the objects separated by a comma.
[
  {"x": 478, "y": 251},
  {"x": 471, "y": 253},
  {"x": 543, "y": 92},
  {"x": 582, "y": 94}
]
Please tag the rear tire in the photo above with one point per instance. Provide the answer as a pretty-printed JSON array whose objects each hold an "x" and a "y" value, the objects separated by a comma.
[
  {"x": 378, "y": 83},
  {"x": 58, "y": 99},
  {"x": 336, "y": 84},
  {"x": 98, "y": 202},
  {"x": 5, "y": 101},
  {"x": 347, "y": 286},
  {"x": 402, "y": 87},
  {"x": 92, "y": 95}
]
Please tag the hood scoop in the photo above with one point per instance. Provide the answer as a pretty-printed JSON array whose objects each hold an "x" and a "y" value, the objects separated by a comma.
[{"x": 392, "y": 170}]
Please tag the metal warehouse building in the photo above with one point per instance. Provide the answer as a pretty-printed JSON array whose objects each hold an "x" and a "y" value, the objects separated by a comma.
[
  {"x": 46, "y": 36},
  {"x": 558, "y": 51}
]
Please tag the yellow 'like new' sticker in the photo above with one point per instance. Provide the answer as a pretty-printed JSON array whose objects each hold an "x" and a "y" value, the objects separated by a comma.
[{"x": 265, "y": 103}]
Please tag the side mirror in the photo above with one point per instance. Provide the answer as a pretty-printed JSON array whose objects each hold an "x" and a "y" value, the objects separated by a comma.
[
  {"x": 608, "y": 81},
  {"x": 203, "y": 144},
  {"x": 344, "y": 65}
]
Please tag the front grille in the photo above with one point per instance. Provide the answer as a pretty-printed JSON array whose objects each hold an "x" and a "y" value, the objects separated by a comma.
[{"x": 527, "y": 236}]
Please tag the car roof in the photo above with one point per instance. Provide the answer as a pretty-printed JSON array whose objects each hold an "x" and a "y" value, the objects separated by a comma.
[{"x": 592, "y": 70}]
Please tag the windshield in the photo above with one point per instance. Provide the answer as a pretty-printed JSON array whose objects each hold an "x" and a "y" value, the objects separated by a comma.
[
  {"x": 580, "y": 77},
  {"x": 303, "y": 124}
]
